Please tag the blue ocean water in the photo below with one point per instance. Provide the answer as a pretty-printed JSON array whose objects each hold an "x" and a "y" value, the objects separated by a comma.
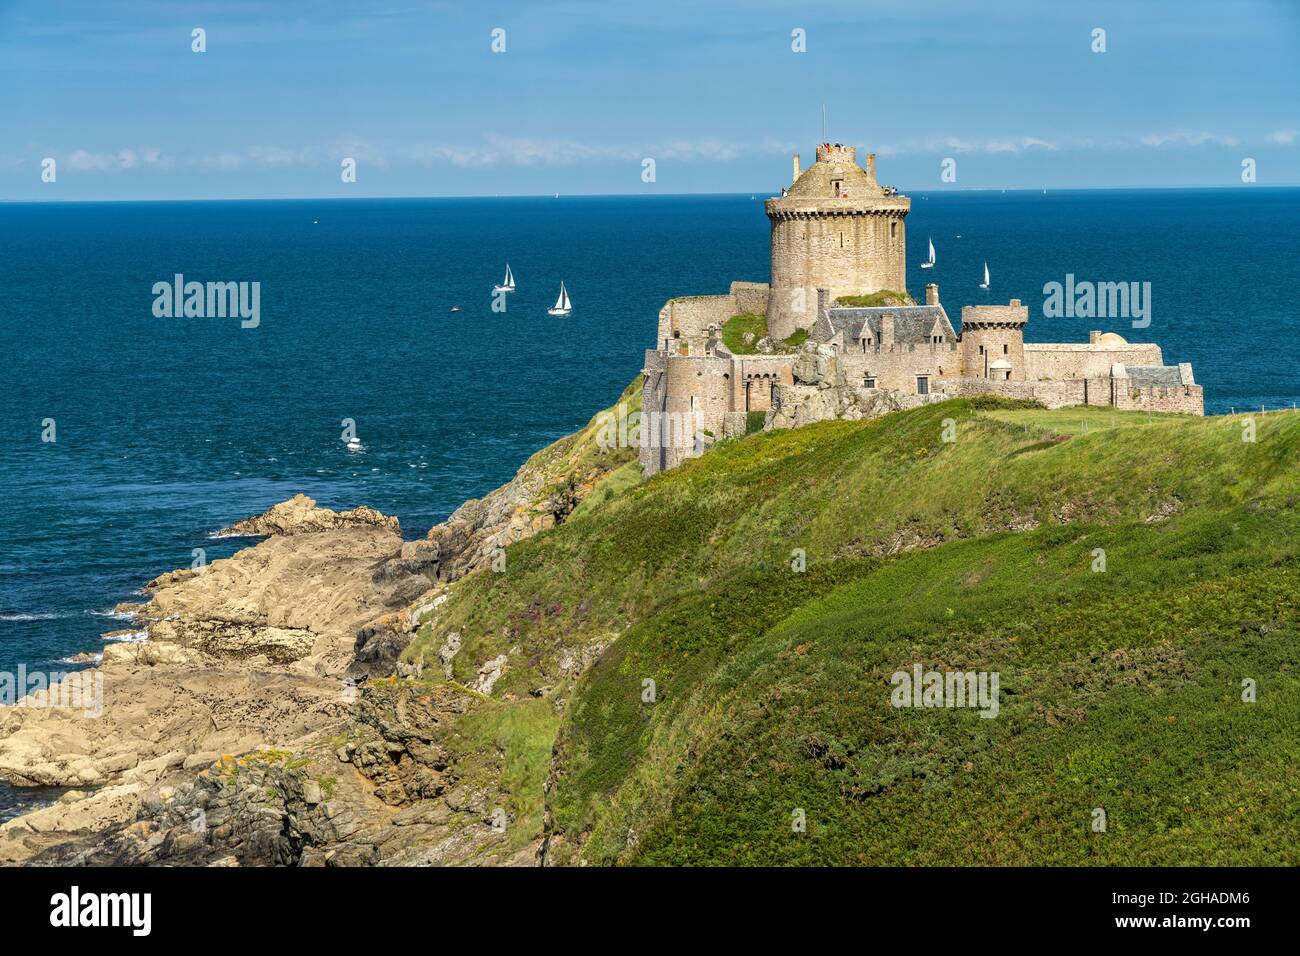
[{"x": 168, "y": 429}]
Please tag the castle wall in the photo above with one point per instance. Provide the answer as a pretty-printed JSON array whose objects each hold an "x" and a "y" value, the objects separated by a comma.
[
  {"x": 981, "y": 348},
  {"x": 654, "y": 396},
  {"x": 1057, "y": 361},
  {"x": 897, "y": 367},
  {"x": 750, "y": 297},
  {"x": 1102, "y": 391},
  {"x": 754, "y": 378},
  {"x": 1188, "y": 399},
  {"x": 689, "y": 318},
  {"x": 697, "y": 398},
  {"x": 992, "y": 335},
  {"x": 847, "y": 252}
]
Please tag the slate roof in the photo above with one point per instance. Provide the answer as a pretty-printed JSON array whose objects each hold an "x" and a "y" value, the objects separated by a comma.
[
  {"x": 1159, "y": 376},
  {"x": 912, "y": 323}
]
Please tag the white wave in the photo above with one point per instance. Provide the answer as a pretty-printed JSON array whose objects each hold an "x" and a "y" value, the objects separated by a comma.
[
  {"x": 94, "y": 659},
  {"x": 130, "y": 637},
  {"x": 31, "y": 617}
]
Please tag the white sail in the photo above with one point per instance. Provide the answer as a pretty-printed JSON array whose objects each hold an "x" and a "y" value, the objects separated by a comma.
[
  {"x": 985, "y": 284},
  {"x": 931, "y": 252},
  {"x": 508, "y": 283},
  {"x": 562, "y": 305}
]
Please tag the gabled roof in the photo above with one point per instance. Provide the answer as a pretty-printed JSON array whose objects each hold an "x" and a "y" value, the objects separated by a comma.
[{"x": 913, "y": 324}]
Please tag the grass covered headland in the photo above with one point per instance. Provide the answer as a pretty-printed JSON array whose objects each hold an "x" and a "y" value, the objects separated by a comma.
[{"x": 1133, "y": 581}]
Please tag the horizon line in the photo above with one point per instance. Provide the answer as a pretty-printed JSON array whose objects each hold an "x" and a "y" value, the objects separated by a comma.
[{"x": 651, "y": 195}]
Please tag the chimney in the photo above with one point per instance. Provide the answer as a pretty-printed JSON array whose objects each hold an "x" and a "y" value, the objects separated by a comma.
[
  {"x": 796, "y": 169},
  {"x": 931, "y": 294},
  {"x": 1094, "y": 337},
  {"x": 887, "y": 331},
  {"x": 871, "y": 166}
]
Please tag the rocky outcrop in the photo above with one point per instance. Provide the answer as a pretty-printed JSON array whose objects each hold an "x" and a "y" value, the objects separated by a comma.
[
  {"x": 821, "y": 392},
  {"x": 216, "y": 740},
  {"x": 247, "y": 652},
  {"x": 301, "y": 515}
]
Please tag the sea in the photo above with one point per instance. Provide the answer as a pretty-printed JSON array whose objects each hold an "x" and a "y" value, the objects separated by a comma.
[{"x": 167, "y": 429}]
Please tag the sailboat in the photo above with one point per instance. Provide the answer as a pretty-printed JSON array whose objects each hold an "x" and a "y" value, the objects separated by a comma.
[
  {"x": 985, "y": 283},
  {"x": 930, "y": 264},
  {"x": 508, "y": 283},
  {"x": 562, "y": 304}
]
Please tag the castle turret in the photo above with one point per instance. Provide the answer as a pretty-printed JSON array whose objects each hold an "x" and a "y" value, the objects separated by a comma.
[
  {"x": 993, "y": 341},
  {"x": 835, "y": 229}
]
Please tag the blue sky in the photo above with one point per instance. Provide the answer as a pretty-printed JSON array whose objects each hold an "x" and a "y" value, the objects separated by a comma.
[{"x": 585, "y": 91}]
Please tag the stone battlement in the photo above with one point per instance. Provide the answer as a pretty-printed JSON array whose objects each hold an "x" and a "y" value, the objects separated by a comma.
[{"x": 975, "y": 316}]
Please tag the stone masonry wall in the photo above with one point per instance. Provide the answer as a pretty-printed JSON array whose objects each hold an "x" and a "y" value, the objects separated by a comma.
[
  {"x": 750, "y": 297},
  {"x": 1055, "y": 361},
  {"x": 898, "y": 368},
  {"x": 689, "y": 318},
  {"x": 846, "y": 253}
]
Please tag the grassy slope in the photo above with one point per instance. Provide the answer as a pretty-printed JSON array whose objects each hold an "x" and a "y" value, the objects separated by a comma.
[
  {"x": 738, "y": 326},
  {"x": 1121, "y": 690}
]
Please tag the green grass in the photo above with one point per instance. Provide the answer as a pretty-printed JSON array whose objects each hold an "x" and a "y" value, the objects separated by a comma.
[
  {"x": 738, "y": 327},
  {"x": 794, "y": 341},
  {"x": 611, "y": 486},
  {"x": 510, "y": 746},
  {"x": 1121, "y": 690},
  {"x": 875, "y": 299}
]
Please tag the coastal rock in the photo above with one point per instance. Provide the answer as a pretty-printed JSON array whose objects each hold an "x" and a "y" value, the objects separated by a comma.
[
  {"x": 489, "y": 674},
  {"x": 301, "y": 515},
  {"x": 249, "y": 652}
]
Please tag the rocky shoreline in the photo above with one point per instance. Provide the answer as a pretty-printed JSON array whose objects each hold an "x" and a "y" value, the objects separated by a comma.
[{"x": 260, "y": 723}]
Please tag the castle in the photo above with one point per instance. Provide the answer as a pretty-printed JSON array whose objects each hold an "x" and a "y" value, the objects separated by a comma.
[{"x": 834, "y": 350}]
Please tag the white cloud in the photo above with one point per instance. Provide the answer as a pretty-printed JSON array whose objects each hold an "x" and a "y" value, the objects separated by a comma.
[
  {"x": 958, "y": 144},
  {"x": 1283, "y": 137},
  {"x": 1184, "y": 138},
  {"x": 84, "y": 161},
  {"x": 524, "y": 151}
]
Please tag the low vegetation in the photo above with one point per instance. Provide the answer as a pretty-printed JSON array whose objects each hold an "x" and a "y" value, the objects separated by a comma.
[
  {"x": 1129, "y": 577},
  {"x": 742, "y": 333},
  {"x": 873, "y": 299}
]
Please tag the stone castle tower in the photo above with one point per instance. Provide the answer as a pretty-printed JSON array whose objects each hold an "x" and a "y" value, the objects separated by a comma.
[
  {"x": 836, "y": 229},
  {"x": 993, "y": 341}
]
